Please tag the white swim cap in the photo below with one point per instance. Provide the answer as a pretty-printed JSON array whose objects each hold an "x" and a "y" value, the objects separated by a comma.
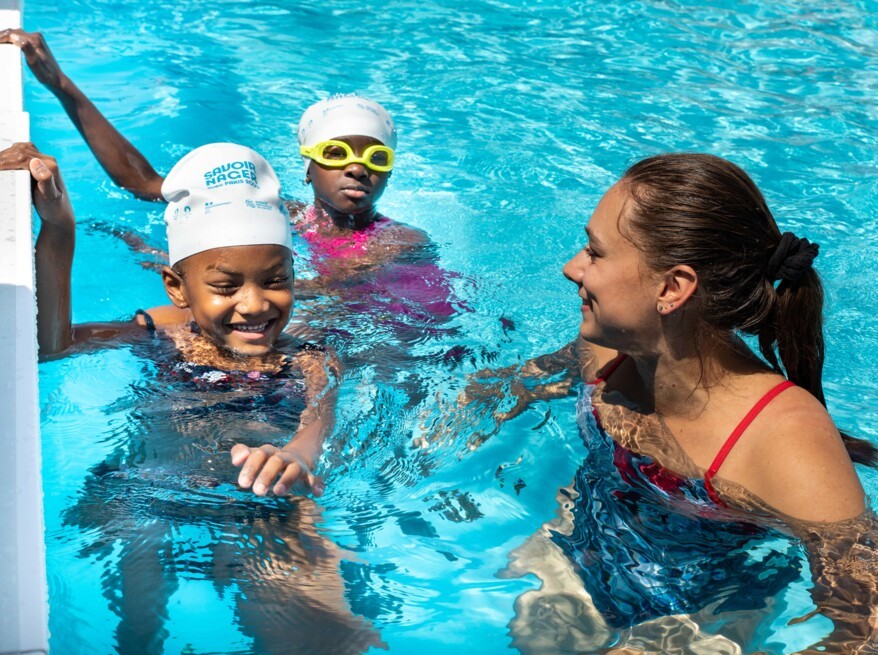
[
  {"x": 345, "y": 115},
  {"x": 221, "y": 195}
]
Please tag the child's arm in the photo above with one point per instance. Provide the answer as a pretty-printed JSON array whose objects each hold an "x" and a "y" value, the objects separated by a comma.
[
  {"x": 54, "y": 255},
  {"x": 294, "y": 463},
  {"x": 53, "y": 261},
  {"x": 122, "y": 161}
]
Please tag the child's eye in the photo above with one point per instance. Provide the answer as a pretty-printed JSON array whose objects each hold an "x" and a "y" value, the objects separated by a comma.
[
  {"x": 278, "y": 281},
  {"x": 334, "y": 152},
  {"x": 224, "y": 289}
]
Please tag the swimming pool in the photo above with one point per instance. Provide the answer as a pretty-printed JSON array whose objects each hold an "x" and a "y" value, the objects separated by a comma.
[{"x": 513, "y": 118}]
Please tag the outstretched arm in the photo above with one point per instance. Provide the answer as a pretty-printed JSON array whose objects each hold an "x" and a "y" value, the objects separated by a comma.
[
  {"x": 284, "y": 467},
  {"x": 544, "y": 377},
  {"x": 125, "y": 164}
]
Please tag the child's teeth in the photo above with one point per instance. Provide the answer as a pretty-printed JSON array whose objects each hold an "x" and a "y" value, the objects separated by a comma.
[{"x": 251, "y": 328}]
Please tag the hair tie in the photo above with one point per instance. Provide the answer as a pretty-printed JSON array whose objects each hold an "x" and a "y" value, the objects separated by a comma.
[{"x": 792, "y": 257}]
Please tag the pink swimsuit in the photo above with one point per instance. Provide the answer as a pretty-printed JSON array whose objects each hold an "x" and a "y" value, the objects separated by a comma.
[
  {"x": 337, "y": 246},
  {"x": 415, "y": 287}
]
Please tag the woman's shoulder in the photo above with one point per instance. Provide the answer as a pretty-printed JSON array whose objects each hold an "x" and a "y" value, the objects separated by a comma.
[{"x": 793, "y": 458}]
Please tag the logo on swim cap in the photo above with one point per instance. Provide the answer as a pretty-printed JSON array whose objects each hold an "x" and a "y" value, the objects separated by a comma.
[{"x": 236, "y": 172}]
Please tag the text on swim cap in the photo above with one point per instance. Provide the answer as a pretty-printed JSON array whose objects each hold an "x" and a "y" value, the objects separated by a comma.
[{"x": 235, "y": 172}]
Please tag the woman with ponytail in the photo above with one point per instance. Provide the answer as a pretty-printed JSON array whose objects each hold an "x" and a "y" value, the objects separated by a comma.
[{"x": 699, "y": 446}]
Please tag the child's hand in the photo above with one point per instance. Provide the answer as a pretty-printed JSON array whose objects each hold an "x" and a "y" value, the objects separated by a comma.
[
  {"x": 263, "y": 465},
  {"x": 39, "y": 58},
  {"x": 49, "y": 194}
]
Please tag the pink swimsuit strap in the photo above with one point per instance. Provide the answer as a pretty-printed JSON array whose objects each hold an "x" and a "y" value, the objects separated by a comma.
[{"x": 736, "y": 434}]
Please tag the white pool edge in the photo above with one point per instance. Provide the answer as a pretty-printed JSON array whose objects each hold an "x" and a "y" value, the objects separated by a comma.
[{"x": 23, "y": 587}]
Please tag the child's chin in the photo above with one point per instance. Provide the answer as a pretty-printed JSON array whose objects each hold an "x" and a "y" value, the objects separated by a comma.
[{"x": 248, "y": 350}]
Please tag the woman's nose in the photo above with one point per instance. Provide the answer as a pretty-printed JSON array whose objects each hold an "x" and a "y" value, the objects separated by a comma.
[{"x": 574, "y": 269}]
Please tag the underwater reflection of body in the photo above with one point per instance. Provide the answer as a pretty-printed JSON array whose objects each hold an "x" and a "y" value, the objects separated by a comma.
[
  {"x": 165, "y": 495},
  {"x": 387, "y": 317},
  {"x": 641, "y": 559}
]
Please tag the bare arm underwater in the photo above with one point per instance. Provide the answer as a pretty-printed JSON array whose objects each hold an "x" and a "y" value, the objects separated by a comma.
[
  {"x": 279, "y": 469},
  {"x": 124, "y": 163}
]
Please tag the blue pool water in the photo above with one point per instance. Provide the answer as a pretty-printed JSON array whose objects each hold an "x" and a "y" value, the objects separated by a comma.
[{"x": 513, "y": 117}]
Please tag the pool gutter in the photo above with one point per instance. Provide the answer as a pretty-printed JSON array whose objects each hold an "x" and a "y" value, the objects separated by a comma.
[{"x": 23, "y": 589}]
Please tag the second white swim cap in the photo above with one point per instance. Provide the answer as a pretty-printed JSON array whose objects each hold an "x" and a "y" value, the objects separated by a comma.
[
  {"x": 222, "y": 195},
  {"x": 345, "y": 115}
]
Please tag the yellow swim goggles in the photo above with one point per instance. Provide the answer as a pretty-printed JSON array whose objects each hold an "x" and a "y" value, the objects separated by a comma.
[{"x": 338, "y": 154}]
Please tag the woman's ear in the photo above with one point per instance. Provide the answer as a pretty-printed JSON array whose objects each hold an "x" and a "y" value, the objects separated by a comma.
[
  {"x": 174, "y": 287},
  {"x": 678, "y": 286}
]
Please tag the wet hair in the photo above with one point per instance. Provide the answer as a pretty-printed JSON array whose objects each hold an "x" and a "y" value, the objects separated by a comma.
[{"x": 706, "y": 212}]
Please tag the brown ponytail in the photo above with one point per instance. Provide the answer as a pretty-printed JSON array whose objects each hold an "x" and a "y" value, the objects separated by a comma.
[{"x": 706, "y": 212}]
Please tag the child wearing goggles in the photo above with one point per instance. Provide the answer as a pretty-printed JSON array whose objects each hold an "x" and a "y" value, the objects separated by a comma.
[{"x": 347, "y": 145}]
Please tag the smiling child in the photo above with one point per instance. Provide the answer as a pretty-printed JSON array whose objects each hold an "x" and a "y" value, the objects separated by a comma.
[{"x": 230, "y": 282}]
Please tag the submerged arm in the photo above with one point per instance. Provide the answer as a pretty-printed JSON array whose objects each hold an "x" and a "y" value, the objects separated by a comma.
[
  {"x": 544, "y": 377},
  {"x": 494, "y": 396},
  {"x": 844, "y": 566},
  {"x": 284, "y": 467},
  {"x": 125, "y": 164}
]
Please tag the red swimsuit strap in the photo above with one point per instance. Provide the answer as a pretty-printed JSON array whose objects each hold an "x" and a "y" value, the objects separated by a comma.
[
  {"x": 603, "y": 377},
  {"x": 736, "y": 434}
]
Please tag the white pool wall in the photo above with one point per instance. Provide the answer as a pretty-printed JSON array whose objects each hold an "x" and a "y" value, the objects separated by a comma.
[{"x": 23, "y": 589}]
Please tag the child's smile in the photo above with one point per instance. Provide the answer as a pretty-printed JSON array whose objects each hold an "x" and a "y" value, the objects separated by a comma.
[{"x": 241, "y": 297}]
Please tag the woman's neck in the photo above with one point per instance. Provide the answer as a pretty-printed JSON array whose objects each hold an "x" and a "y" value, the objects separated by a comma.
[{"x": 680, "y": 381}]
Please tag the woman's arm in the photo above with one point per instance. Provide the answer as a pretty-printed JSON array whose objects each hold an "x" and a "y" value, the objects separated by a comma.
[
  {"x": 124, "y": 163},
  {"x": 544, "y": 377},
  {"x": 844, "y": 567}
]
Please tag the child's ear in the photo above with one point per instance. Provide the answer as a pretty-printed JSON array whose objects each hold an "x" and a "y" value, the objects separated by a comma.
[{"x": 174, "y": 287}]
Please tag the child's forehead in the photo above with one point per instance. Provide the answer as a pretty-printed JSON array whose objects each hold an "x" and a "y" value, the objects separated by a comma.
[
  {"x": 358, "y": 140},
  {"x": 250, "y": 258}
]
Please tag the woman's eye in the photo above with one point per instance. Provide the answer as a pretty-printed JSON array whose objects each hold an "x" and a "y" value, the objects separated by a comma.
[{"x": 591, "y": 253}]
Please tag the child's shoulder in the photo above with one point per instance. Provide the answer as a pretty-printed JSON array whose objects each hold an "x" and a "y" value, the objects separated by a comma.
[
  {"x": 162, "y": 317},
  {"x": 319, "y": 364}
]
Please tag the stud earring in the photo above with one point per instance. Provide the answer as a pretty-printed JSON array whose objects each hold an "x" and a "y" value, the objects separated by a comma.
[
  {"x": 661, "y": 308},
  {"x": 306, "y": 181}
]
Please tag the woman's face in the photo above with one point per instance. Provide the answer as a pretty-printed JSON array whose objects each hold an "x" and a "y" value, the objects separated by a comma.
[
  {"x": 619, "y": 292},
  {"x": 349, "y": 190}
]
